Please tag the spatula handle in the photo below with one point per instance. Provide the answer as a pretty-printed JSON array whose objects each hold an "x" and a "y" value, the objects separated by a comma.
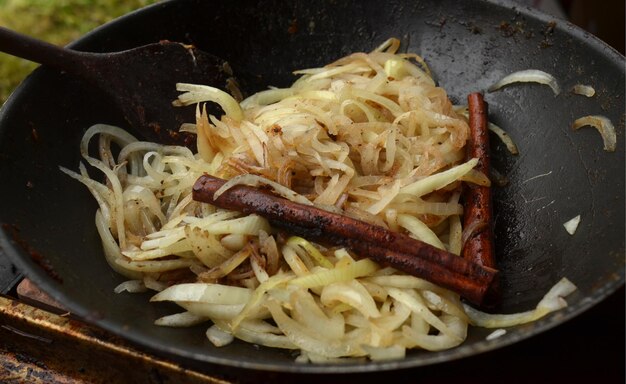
[{"x": 29, "y": 48}]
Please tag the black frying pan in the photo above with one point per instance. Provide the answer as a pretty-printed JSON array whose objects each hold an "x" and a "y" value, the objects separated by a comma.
[{"x": 47, "y": 218}]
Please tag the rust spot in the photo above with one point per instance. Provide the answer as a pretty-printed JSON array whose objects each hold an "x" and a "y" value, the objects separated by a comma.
[
  {"x": 516, "y": 27},
  {"x": 293, "y": 27},
  {"x": 475, "y": 29},
  {"x": 156, "y": 128},
  {"x": 35, "y": 255},
  {"x": 547, "y": 35}
]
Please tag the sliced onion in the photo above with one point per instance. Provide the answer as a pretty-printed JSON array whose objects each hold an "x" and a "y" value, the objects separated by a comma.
[
  {"x": 395, "y": 68},
  {"x": 352, "y": 293},
  {"x": 390, "y": 45},
  {"x": 394, "y": 318},
  {"x": 248, "y": 225},
  {"x": 572, "y": 224},
  {"x": 212, "y": 311},
  {"x": 151, "y": 283},
  {"x": 228, "y": 265},
  {"x": 476, "y": 177},
  {"x": 420, "y": 231},
  {"x": 198, "y": 93},
  {"x": 526, "y": 76},
  {"x": 218, "y": 337},
  {"x": 584, "y": 90},
  {"x": 255, "y": 301},
  {"x": 325, "y": 277},
  {"x": 206, "y": 246},
  {"x": 234, "y": 242},
  {"x": 112, "y": 252},
  {"x": 501, "y": 133},
  {"x": 505, "y": 138},
  {"x": 307, "y": 311},
  {"x": 416, "y": 304},
  {"x": 321, "y": 260},
  {"x": 132, "y": 286},
  {"x": 296, "y": 264},
  {"x": 255, "y": 180},
  {"x": 267, "y": 97},
  {"x": 154, "y": 265},
  {"x": 438, "y": 180},
  {"x": 297, "y": 334},
  {"x": 455, "y": 240},
  {"x": 402, "y": 282},
  {"x": 385, "y": 353},
  {"x": 552, "y": 301},
  {"x": 470, "y": 230},
  {"x": 415, "y": 336},
  {"x": 205, "y": 293},
  {"x": 249, "y": 331},
  {"x": 446, "y": 302},
  {"x": 603, "y": 125},
  {"x": 180, "y": 320},
  {"x": 495, "y": 334}
]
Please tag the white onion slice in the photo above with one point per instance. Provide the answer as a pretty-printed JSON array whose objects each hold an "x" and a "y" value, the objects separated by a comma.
[
  {"x": 218, "y": 337},
  {"x": 495, "y": 334},
  {"x": 505, "y": 138},
  {"x": 420, "y": 231},
  {"x": 204, "y": 293},
  {"x": 528, "y": 76},
  {"x": 603, "y": 125},
  {"x": 249, "y": 333},
  {"x": 552, "y": 301},
  {"x": 501, "y": 133},
  {"x": 584, "y": 90},
  {"x": 132, "y": 286},
  {"x": 194, "y": 94},
  {"x": 325, "y": 277},
  {"x": 385, "y": 353},
  {"x": 438, "y": 180},
  {"x": 180, "y": 320},
  {"x": 252, "y": 180},
  {"x": 572, "y": 224}
]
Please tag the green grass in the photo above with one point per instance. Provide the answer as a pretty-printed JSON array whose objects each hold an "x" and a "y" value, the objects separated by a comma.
[{"x": 57, "y": 21}]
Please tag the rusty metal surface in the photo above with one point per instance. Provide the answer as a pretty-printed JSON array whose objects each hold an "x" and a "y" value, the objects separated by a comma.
[
  {"x": 9, "y": 275},
  {"x": 37, "y": 346}
]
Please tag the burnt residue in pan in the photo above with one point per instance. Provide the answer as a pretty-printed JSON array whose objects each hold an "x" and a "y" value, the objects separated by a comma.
[{"x": 35, "y": 255}]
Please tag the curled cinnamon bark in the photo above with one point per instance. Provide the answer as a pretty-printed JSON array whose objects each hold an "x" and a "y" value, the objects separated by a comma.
[
  {"x": 478, "y": 246},
  {"x": 477, "y": 210},
  {"x": 469, "y": 279}
]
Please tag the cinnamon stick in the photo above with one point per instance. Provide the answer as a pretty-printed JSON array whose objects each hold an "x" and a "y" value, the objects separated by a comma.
[
  {"x": 477, "y": 206},
  {"x": 477, "y": 203},
  {"x": 471, "y": 280}
]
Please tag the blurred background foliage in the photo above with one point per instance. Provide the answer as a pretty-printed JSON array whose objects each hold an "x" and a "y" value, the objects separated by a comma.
[
  {"x": 57, "y": 21},
  {"x": 62, "y": 21}
]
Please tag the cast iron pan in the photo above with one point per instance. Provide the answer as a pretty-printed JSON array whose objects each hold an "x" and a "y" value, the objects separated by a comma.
[{"x": 48, "y": 219}]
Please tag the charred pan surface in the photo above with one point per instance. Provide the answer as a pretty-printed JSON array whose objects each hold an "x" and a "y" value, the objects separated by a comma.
[
  {"x": 35, "y": 255},
  {"x": 41, "y": 347}
]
